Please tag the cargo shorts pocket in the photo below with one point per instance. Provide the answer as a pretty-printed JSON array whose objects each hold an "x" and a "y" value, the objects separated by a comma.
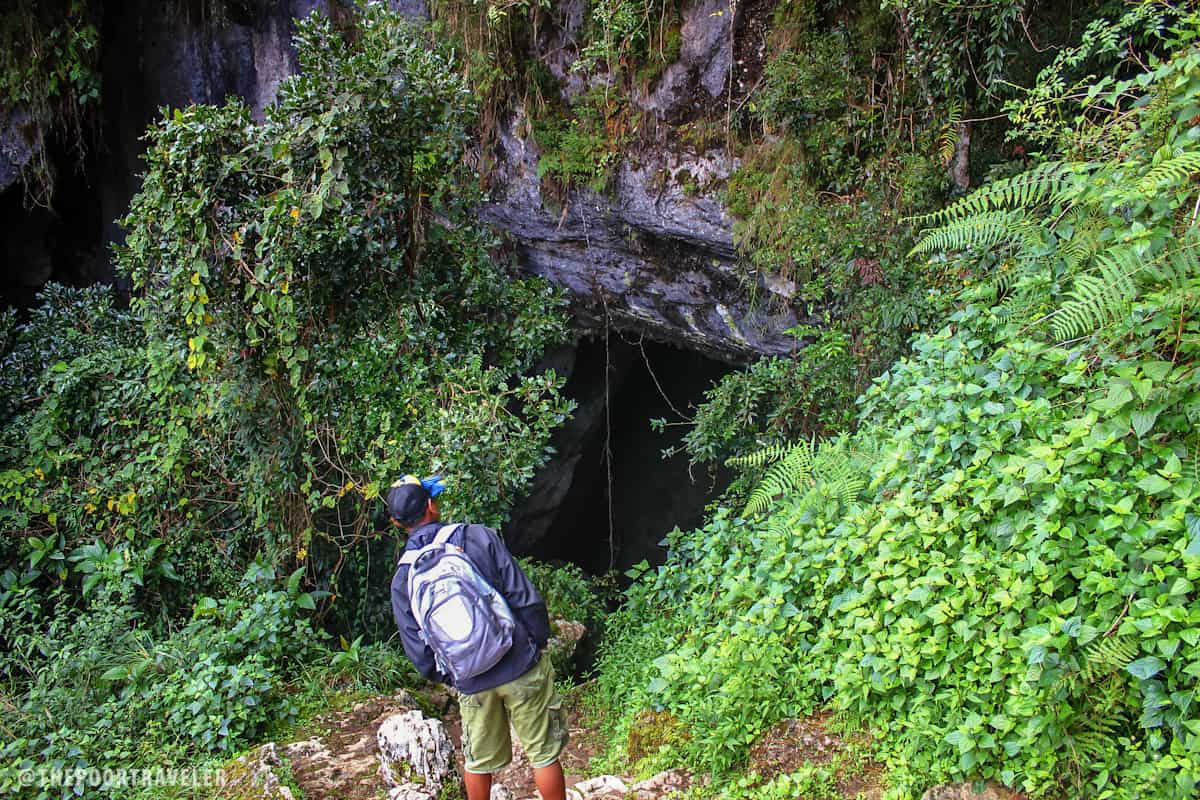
[{"x": 538, "y": 715}]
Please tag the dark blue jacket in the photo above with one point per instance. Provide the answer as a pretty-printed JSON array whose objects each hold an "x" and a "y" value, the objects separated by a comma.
[{"x": 488, "y": 554}]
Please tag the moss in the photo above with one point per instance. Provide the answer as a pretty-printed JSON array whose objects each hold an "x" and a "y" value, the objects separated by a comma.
[{"x": 653, "y": 731}]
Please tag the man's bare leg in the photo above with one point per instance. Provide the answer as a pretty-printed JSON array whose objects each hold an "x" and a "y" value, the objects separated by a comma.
[
  {"x": 550, "y": 782},
  {"x": 479, "y": 785}
]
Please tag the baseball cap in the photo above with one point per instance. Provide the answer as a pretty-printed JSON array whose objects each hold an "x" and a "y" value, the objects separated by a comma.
[{"x": 407, "y": 500}]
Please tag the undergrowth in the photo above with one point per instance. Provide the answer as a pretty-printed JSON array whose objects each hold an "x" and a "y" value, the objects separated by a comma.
[{"x": 994, "y": 572}]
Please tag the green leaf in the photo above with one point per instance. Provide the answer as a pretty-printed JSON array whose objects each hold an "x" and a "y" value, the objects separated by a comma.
[
  {"x": 1143, "y": 421},
  {"x": 1154, "y": 484},
  {"x": 305, "y": 601},
  {"x": 115, "y": 674},
  {"x": 1193, "y": 527},
  {"x": 1146, "y": 668}
]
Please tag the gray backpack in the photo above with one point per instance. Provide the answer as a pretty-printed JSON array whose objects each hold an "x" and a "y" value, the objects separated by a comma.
[{"x": 462, "y": 618}]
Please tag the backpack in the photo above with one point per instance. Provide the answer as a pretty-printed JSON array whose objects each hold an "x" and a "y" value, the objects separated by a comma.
[{"x": 462, "y": 618}]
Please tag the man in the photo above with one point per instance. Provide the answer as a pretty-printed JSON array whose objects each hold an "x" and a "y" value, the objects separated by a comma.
[{"x": 519, "y": 688}]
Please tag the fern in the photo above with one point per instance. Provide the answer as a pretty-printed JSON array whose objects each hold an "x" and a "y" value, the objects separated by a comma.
[
  {"x": 1045, "y": 182},
  {"x": 1173, "y": 171},
  {"x": 1179, "y": 267},
  {"x": 760, "y": 458},
  {"x": 1101, "y": 297},
  {"x": 1086, "y": 225},
  {"x": 948, "y": 137},
  {"x": 1098, "y": 299},
  {"x": 791, "y": 471},
  {"x": 829, "y": 467},
  {"x": 1107, "y": 656},
  {"x": 983, "y": 230}
]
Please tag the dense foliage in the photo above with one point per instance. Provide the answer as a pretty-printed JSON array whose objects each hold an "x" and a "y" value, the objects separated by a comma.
[
  {"x": 865, "y": 116},
  {"x": 49, "y": 82},
  {"x": 314, "y": 314},
  {"x": 995, "y": 573}
]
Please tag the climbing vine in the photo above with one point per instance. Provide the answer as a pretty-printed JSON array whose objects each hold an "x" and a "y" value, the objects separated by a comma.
[{"x": 49, "y": 82}]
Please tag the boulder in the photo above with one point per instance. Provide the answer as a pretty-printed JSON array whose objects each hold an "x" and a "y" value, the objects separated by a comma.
[
  {"x": 416, "y": 756},
  {"x": 565, "y": 637},
  {"x": 604, "y": 787},
  {"x": 671, "y": 783}
]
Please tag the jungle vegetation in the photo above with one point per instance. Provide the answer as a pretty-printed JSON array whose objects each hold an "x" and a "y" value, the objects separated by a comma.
[{"x": 966, "y": 523}]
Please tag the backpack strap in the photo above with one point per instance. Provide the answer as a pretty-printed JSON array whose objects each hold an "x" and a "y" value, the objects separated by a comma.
[
  {"x": 444, "y": 534},
  {"x": 439, "y": 540}
]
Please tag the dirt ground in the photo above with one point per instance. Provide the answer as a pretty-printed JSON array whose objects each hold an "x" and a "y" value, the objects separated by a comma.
[{"x": 794, "y": 743}]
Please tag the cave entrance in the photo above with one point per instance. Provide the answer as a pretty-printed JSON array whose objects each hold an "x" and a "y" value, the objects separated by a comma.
[
  {"x": 608, "y": 496},
  {"x": 60, "y": 241}
]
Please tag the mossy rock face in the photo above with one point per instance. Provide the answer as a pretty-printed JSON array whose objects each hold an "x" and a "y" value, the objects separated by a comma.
[
  {"x": 261, "y": 774},
  {"x": 652, "y": 731}
]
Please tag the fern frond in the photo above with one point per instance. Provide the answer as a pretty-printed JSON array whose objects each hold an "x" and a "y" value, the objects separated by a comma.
[
  {"x": 1173, "y": 171},
  {"x": 760, "y": 458},
  {"x": 1086, "y": 225},
  {"x": 948, "y": 138},
  {"x": 1108, "y": 655},
  {"x": 828, "y": 468},
  {"x": 1095, "y": 746},
  {"x": 983, "y": 230},
  {"x": 785, "y": 475},
  {"x": 1030, "y": 188},
  {"x": 1178, "y": 267},
  {"x": 1099, "y": 299}
]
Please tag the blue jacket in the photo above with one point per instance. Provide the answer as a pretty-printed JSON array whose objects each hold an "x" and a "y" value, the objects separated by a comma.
[{"x": 488, "y": 554}]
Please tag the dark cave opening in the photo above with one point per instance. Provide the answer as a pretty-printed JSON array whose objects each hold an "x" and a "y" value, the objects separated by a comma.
[
  {"x": 616, "y": 511},
  {"x": 59, "y": 242}
]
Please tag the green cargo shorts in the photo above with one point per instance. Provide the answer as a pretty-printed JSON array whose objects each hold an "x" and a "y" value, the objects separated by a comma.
[{"x": 531, "y": 704}]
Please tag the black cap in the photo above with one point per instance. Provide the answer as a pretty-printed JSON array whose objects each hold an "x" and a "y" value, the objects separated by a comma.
[{"x": 406, "y": 502}]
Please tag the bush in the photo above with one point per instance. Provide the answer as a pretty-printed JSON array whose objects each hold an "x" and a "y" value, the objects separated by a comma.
[
  {"x": 97, "y": 689},
  {"x": 314, "y": 312},
  {"x": 996, "y": 572}
]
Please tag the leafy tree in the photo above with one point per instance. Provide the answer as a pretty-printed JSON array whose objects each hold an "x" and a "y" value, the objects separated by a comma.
[{"x": 315, "y": 312}]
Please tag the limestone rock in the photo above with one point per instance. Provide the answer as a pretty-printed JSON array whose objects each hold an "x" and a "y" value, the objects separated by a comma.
[
  {"x": 655, "y": 255},
  {"x": 604, "y": 787},
  {"x": 501, "y": 792},
  {"x": 972, "y": 791},
  {"x": 416, "y": 756},
  {"x": 343, "y": 762},
  {"x": 18, "y": 144},
  {"x": 663, "y": 785},
  {"x": 253, "y": 777},
  {"x": 704, "y": 59},
  {"x": 566, "y": 637}
]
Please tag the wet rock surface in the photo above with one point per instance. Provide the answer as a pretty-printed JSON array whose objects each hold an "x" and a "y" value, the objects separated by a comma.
[{"x": 653, "y": 255}]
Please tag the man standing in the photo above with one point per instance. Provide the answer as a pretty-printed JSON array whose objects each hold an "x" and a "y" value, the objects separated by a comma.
[{"x": 483, "y": 637}]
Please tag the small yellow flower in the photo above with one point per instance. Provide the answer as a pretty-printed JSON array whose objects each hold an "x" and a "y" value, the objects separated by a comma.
[
  {"x": 41, "y": 475},
  {"x": 301, "y": 554},
  {"x": 295, "y": 212}
]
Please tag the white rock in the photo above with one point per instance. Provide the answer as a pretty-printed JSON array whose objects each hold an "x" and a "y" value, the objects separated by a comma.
[
  {"x": 410, "y": 791},
  {"x": 253, "y": 775},
  {"x": 671, "y": 783},
  {"x": 501, "y": 792},
  {"x": 603, "y": 786},
  {"x": 415, "y": 755}
]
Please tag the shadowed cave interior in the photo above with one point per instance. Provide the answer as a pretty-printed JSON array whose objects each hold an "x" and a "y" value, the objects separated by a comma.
[{"x": 618, "y": 507}]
